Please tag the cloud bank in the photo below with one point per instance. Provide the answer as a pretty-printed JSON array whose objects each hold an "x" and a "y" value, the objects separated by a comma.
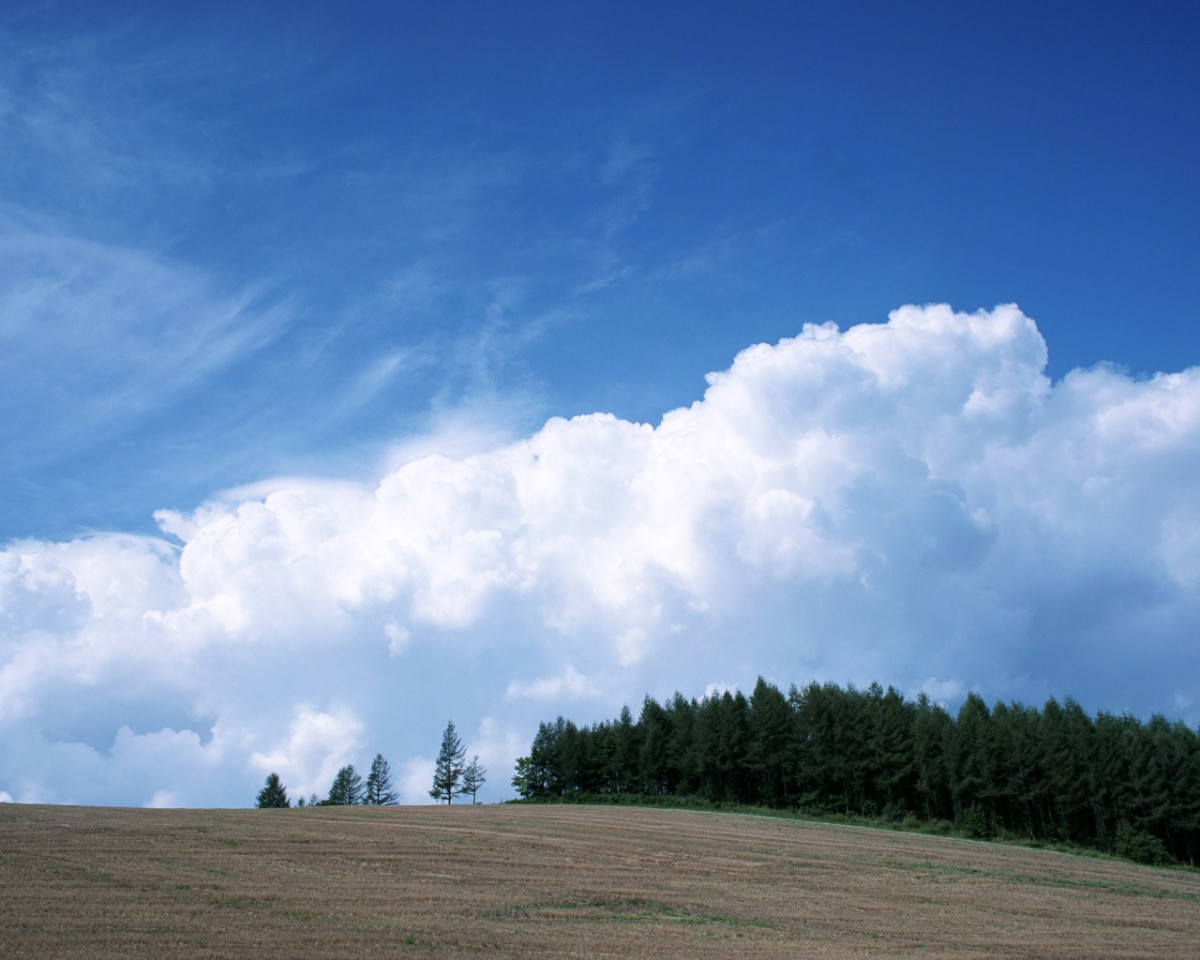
[{"x": 911, "y": 502}]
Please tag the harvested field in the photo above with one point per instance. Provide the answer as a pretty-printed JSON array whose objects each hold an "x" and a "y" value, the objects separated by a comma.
[{"x": 508, "y": 881}]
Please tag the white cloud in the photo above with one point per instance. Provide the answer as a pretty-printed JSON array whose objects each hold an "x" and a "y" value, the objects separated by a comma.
[
  {"x": 943, "y": 691},
  {"x": 163, "y": 799},
  {"x": 569, "y": 685},
  {"x": 101, "y": 320},
  {"x": 398, "y": 638},
  {"x": 317, "y": 745},
  {"x": 415, "y": 780},
  {"x": 904, "y": 502}
]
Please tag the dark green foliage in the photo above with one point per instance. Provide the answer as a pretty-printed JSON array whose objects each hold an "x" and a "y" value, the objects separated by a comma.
[
  {"x": 1140, "y": 846},
  {"x": 973, "y": 823},
  {"x": 447, "y": 775},
  {"x": 1049, "y": 775},
  {"x": 273, "y": 793},
  {"x": 347, "y": 788},
  {"x": 770, "y": 747},
  {"x": 931, "y": 732},
  {"x": 379, "y": 791},
  {"x": 656, "y": 736},
  {"x": 536, "y": 776}
]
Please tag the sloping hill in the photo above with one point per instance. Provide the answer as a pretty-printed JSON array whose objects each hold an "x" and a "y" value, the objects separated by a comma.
[{"x": 512, "y": 881}]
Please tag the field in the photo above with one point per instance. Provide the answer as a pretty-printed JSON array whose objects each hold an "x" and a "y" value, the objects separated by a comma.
[{"x": 512, "y": 881}]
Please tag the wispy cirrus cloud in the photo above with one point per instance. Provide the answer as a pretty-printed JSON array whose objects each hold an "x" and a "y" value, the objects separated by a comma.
[{"x": 96, "y": 338}]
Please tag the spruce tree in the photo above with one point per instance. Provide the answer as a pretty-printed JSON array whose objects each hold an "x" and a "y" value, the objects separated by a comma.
[
  {"x": 273, "y": 793},
  {"x": 347, "y": 788},
  {"x": 447, "y": 774},
  {"x": 379, "y": 784}
]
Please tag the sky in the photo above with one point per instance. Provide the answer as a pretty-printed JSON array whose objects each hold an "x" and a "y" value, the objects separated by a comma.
[{"x": 363, "y": 368}]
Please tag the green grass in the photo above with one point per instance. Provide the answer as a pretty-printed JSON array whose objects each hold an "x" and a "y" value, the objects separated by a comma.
[{"x": 627, "y": 910}]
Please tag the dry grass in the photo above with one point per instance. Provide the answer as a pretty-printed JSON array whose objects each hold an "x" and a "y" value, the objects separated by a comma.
[{"x": 507, "y": 881}]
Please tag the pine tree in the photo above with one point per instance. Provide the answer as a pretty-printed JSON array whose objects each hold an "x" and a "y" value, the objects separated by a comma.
[
  {"x": 379, "y": 784},
  {"x": 273, "y": 793},
  {"x": 347, "y": 788},
  {"x": 447, "y": 775},
  {"x": 473, "y": 777}
]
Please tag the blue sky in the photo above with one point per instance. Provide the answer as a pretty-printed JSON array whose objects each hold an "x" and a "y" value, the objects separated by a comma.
[{"x": 287, "y": 251}]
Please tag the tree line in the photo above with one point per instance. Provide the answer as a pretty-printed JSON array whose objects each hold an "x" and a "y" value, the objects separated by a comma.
[{"x": 1053, "y": 774}]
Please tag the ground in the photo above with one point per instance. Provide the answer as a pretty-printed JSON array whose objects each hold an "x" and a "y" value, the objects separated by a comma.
[{"x": 556, "y": 881}]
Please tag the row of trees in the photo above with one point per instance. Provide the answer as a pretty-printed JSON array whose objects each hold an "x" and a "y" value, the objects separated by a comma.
[
  {"x": 1054, "y": 774},
  {"x": 348, "y": 788},
  {"x": 453, "y": 777}
]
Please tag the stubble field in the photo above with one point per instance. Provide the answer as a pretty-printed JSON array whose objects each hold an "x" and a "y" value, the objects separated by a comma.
[{"x": 505, "y": 881}]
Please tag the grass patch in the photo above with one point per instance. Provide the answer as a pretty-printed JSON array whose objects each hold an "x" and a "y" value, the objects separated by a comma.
[{"x": 627, "y": 910}]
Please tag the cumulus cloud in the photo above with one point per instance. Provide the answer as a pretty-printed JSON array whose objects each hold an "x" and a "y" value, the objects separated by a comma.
[
  {"x": 415, "y": 780},
  {"x": 911, "y": 502},
  {"x": 317, "y": 745}
]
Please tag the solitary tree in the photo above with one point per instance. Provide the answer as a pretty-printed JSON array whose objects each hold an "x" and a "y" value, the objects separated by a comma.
[
  {"x": 347, "y": 787},
  {"x": 273, "y": 793},
  {"x": 473, "y": 777},
  {"x": 379, "y": 783},
  {"x": 447, "y": 775}
]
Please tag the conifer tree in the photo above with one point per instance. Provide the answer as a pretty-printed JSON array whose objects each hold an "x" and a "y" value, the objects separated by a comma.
[
  {"x": 379, "y": 784},
  {"x": 768, "y": 750},
  {"x": 347, "y": 788},
  {"x": 273, "y": 793},
  {"x": 447, "y": 774},
  {"x": 473, "y": 777},
  {"x": 1116, "y": 783}
]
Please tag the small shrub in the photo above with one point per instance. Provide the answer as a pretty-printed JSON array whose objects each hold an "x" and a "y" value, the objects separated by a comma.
[
  {"x": 895, "y": 812},
  {"x": 1139, "y": 846},
  {"x": 811, "y": 802},
  {"x": 973, "y": 823}
]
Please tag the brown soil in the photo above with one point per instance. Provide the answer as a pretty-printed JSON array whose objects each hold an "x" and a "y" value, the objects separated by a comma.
[{"x": 504, "y": 881}]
